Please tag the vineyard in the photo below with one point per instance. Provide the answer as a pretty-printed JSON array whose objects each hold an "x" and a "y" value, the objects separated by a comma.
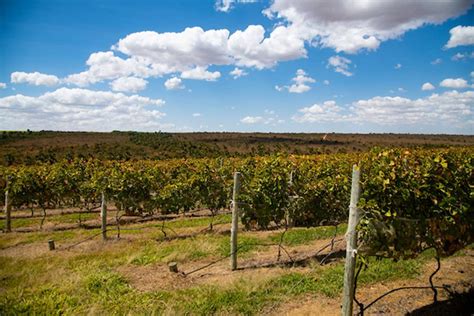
[{"x": 414, "y": 204}]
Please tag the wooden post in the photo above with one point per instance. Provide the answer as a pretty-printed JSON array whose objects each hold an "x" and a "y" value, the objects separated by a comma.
[
  {"x": 351, "y": 245},
  {"x": 51, "y": 245},
  {"x": 8, "y": 225},
  {"x": 173, "y": 266},
  {"x": 235, "y": 221},
  {"x": 103, "y": 215}
]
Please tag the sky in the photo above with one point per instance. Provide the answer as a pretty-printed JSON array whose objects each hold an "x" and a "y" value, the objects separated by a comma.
[{"x": 349, "y": 66}]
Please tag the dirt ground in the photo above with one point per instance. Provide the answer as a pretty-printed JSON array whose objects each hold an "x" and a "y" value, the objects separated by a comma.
[{"x": 457, "y": 273}]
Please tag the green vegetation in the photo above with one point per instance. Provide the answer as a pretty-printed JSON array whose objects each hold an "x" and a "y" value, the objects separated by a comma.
[{"x": 298, "y": 236}]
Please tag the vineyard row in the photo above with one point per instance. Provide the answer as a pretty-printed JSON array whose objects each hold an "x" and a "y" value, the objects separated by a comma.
[{"x": 410, "y": 199}]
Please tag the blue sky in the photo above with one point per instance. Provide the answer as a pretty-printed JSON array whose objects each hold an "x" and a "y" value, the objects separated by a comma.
[{"x": 244, "y": 65}]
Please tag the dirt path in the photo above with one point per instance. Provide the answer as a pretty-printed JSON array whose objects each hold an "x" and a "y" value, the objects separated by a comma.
[{"x": 456, "y": 272}]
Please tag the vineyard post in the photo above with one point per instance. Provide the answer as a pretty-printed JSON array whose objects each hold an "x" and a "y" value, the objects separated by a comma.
[
  {"x": 8, "y": 226},
  {"x": 235, "y": 221},
  {"x": 103, "y": 215},
  {"x": 351, "y": 244}
]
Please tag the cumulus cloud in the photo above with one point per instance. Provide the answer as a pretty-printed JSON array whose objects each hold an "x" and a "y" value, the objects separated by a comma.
[
  {"x": 450, "y": 107},
  {"x": 227, "y": 5},
  {"x": 460, "y": 36},
  {"x": 457, "y": 83},
  {"x": 81, "y": 109},
  {"x": 328, "y": 111},
  {"x": 197, "y": 114},
  {"x": 128, "y": 84},
  {"x": 326, "y": 82},
  {"x": 3, "y": 85},
  {"x": 237, "y": 73},
  {"x": 351, "y": 26},
  {"x": 340, "y": 65},
  {"x": 107, "y": 66},
  {"x": 194, "y": 47},
  {"x": 300, "y": 83},
  {"x": 174, "y": 83},
  {"x": 398, "y": 66},
  {"x": 427, "y": 86},
  {"x": 437, "y": 61},
  {"x": 34, "y": 78},
  {"x": 200, "y": 73}
]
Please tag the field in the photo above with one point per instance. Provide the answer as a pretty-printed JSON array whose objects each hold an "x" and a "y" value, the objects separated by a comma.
[
  {"x": 415, "y": 206},
  {"x": 45, "y": 146},
  {"x": 130, "y": 274}
]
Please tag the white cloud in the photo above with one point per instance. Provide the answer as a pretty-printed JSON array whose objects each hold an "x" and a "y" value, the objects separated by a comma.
[
  {"x": 461, "y": 35},
  {"x": 457, "y": 83},
  {"x": 3, "y": 85},
  {"x": 237, "y": 73},
  {"x": 340, "y": 64},
  {"x": 194, "y": 47},
  {"x": 128, "y": 84},
  {"x": 174, "y": 83},
  {"x": 472, "y": 74},
  {"x": 351, "y": 26},
  {"x": 326, "y": 82},
  {"x": 269, "y": 118},
  {"x": 329, "y": 111},
  {"x": 151, "y": 54},
  {"x": 250, "y": 48},
  {"x": 200, "y": 73},
  {"x": 252, "y": 120},
  {"x": 107, "y": 66},
  {"x": 401, "y": 90},
  {"x": 197, "y": 114},
  {"x": 300, "y": 83},
  {"x": 461, "y": 56},
  {"x": 398, "y": 66},
  {"x": 227, "y": 5},
  {"x": 437, "y": 61},
  {"x": 450, "y": 108},
  {"x": 427, "y": 86},
  {"x": 81, "y": 109},
  {"x": 34, "y": 78}
]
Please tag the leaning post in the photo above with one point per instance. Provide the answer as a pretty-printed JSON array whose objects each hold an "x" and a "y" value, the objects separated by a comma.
[
  {"x": 351, "y": 244},
  {"x": 235, "y": 221}
]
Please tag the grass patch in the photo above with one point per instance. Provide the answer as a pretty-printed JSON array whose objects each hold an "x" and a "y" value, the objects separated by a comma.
[
  {"x": 196, "y": 222},
  {"x": 299, "y": 236},
  {"x": 43, "y": 301},
  {"x": 180, "y": 250},
  {"x": 54, "y": 219},
  {"x": 209, "y": 300}
]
